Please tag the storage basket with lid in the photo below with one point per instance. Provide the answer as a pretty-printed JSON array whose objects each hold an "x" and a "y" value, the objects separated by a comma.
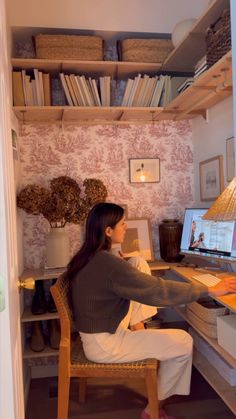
[
  {"x": 145, "y": 50},
  {"x": 62, "y": 47}
]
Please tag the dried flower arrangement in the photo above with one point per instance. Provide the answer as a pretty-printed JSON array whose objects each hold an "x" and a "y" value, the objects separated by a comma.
[{"x": 63, "y": 202}]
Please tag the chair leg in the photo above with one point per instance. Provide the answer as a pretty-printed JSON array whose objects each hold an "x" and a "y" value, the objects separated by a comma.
[
  {"x": 82, "y": 389},
  {"x": 151, "y": 383},
  {"x": 63, "y": 397}
]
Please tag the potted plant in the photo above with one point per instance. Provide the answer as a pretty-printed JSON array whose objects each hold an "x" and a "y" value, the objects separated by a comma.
[{"x": 64, "y": 202}]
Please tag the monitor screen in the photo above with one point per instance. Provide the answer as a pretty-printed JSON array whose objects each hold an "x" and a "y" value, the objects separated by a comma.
[{"x": 213, "y": 239}]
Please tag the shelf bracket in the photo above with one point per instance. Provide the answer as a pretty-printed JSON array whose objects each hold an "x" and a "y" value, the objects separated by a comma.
[{"x": 120, "y": 116}]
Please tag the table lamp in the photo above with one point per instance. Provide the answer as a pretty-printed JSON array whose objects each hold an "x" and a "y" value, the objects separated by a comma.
[{"x": 224, "y": 207}]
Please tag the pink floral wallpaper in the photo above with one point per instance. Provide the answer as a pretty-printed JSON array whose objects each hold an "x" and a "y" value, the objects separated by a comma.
[{"x": 102, "y": 151}]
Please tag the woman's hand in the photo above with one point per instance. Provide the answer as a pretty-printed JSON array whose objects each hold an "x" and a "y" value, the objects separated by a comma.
[{"x": 225, "y": 286}]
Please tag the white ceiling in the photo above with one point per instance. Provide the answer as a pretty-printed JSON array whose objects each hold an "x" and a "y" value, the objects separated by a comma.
[{"x": 104, "y": 15}]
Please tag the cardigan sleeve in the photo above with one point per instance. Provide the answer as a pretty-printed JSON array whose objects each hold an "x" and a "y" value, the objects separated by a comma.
[{"x": 127, "y": 282}]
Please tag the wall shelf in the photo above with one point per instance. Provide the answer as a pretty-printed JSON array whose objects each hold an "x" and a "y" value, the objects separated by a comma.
[
  {"x": 27, "y": 316},
  {"x": 213, "y": 86},
  {"x": 210, "y": 88},
  {"x": 47, "y": 352},
  {"x": 115, "y": 69},
  {"x": 193, "y": 47}
]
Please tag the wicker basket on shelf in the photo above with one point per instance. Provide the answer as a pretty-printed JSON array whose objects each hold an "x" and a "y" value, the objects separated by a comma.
[
  {"x": 144, "y": 50},
  {"x": 203, "y": 315},
  {"x": 69, "y": 47},
  {"x": 218, "y": 38}
]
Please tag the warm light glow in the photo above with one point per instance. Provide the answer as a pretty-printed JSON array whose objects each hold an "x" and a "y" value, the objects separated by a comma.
[
  {"x": 224, "y": 208},
  {"x": 142, "y": 177}
]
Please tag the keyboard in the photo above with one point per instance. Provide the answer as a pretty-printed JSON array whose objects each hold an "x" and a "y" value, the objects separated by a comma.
[{"x": 207, "y": 279}]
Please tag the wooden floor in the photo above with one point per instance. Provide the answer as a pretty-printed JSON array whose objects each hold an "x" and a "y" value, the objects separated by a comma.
[{"x": 118, "y": 400}]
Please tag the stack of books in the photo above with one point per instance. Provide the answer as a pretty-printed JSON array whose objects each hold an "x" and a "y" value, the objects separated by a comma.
[
  {"x": 200, "y": 67},
  {"x": 187, "y": 82},
  {"x": 82, "y": 91},
  {"x": 31, "y": 89},
  {"x": 147, "y": 91}
]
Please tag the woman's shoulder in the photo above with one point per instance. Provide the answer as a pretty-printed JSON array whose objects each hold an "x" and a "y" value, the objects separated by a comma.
[
  {"x": 105, "y": 255},
  {"x": 108, "y": 259}
]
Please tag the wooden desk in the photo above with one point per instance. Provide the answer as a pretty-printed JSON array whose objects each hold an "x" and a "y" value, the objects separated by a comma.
[
  {"x": 207, "y": 370},
  {"x": 159, "y": 265},
  {"x": 187, "y": 273}
]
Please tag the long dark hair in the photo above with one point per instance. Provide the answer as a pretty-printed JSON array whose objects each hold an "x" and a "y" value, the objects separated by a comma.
[{"x": 100, "y": 217}]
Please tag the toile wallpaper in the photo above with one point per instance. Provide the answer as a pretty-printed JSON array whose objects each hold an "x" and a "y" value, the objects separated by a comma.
[{"x": 103, "y": 151}]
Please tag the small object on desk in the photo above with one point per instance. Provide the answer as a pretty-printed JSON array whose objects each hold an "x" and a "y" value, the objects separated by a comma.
[{"x": 207, "y": 279}]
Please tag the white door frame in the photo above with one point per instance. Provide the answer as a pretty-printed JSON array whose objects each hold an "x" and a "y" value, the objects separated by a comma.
[{"x": 11, "y": 378}]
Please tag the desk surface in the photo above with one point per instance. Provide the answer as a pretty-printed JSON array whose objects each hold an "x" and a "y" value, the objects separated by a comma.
[
  {"x": 187, "y": 273},
  {"x": 158, "y": 265}
]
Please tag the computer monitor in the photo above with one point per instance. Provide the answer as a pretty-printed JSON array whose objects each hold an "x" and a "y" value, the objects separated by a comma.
[{"x": 214, "y": 240}]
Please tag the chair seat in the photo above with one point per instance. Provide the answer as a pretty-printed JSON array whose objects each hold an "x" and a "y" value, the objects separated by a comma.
[{"x": 79, "y": 361}]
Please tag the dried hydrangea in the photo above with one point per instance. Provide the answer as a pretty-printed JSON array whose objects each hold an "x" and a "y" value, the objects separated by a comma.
[
  {"x": 95, "y": 191},
  {"x": 63, "y": 203},
  {"x": 33, "y": 198}
]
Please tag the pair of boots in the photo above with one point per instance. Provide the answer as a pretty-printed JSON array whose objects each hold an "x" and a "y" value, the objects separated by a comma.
[
  {"x": 37, "y": 340},
  {"x": 39, "y": 303}
]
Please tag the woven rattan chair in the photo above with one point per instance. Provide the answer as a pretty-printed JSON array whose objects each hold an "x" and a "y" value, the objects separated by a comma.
[{"x": 73, "y": 363}]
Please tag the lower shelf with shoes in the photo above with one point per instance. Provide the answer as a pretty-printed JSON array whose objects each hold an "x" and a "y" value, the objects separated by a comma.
[
  {"x": 40, "y": 324},
  {"x": 47, "y": 352}
]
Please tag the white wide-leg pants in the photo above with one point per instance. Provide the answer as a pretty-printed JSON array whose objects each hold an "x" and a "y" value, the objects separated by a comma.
[
  {"x": 172, "y": 347},
  {"x": 141, "y": 312}
]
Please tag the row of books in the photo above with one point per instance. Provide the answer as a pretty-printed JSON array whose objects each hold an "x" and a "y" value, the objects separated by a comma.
[
  {"x": 200, "y": 67},
  {"x": 39, "y": 89},
  {"x": 36, "y": 90},
  {"x": 147, "y": 91},
  {"x": 80, "y": 91},
  {"x": 31, "y": 90}
]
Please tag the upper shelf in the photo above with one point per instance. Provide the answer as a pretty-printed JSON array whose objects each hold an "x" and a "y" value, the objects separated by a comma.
[
  {"x": 115, "y": 69},
  {"x": 211, "y": 87},
  {"x": 193, "y": 47}
]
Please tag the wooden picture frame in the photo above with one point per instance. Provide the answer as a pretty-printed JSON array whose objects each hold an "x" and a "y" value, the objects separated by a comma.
[
  {"x": 138, "y": 239},
  {"x": 211, "y": 178},
  {"x": 230, "y": 159},
  {"x": 144, "y": 170}
]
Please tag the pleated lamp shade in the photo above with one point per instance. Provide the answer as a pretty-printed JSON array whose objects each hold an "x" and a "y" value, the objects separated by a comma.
[{"x": 224, "y": 207}]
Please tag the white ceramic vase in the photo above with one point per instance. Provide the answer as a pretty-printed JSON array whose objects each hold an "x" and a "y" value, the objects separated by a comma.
[{"x": 57, "y": 248}]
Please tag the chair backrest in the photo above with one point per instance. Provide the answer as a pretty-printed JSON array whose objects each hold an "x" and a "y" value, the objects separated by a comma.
[{"x": 61, "y": 293}]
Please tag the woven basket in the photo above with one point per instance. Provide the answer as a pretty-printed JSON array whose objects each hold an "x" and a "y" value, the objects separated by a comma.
[
  {"x": 145, "y": 50},
  {"x": 207, "y": 310},
  {"x": 218, "y": 38},
  {"x": 209, "y": 329},
  {"x": 65, "y": 47}
]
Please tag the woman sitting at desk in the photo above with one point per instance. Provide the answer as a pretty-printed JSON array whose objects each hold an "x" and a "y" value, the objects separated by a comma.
[{"x": 103, "y": 288}]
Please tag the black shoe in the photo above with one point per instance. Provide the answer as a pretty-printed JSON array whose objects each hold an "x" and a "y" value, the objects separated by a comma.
[
  {"x": 39, "y": 305},
  {"x": 54, "y": 333},
  {"x": 51, "y": 305}
]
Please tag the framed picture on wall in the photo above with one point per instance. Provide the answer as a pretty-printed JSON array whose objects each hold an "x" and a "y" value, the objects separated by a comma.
[
  {"x": 211, "y": 178},
  {"x": 144, "y": 170},
  {"x": 230, "y": 159},
  {"x": 138, "y": 239}
]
